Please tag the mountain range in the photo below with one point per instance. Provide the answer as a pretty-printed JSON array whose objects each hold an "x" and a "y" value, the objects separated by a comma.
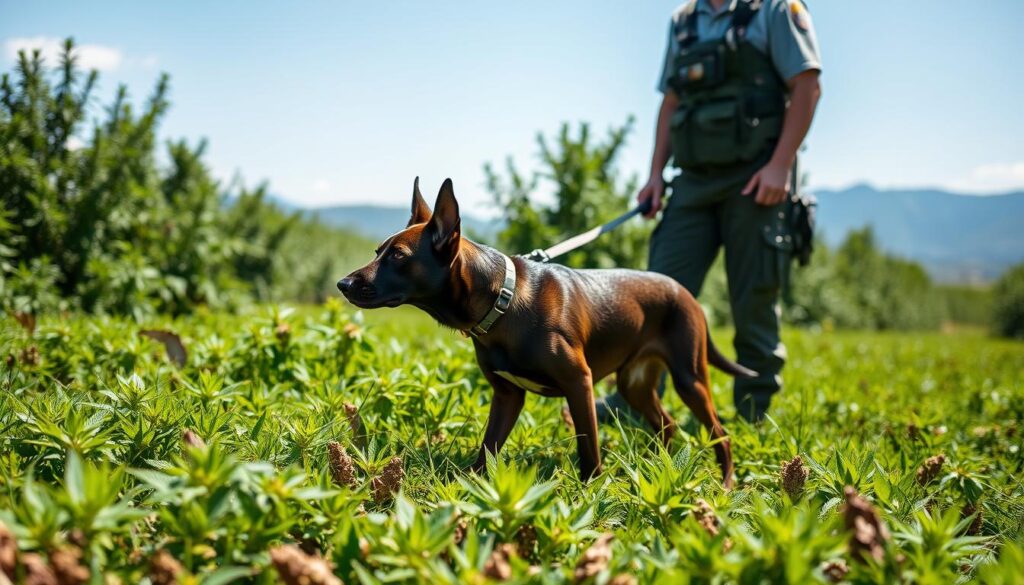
[
  {"x": 957, "y": 238},
  {"x": 380, "y": 221}
]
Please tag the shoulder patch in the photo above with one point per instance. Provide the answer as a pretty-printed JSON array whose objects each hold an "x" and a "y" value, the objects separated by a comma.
[{"x": 798, "y": 12}]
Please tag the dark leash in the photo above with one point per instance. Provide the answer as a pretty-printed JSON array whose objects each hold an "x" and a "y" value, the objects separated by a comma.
[{"x": 549, "y": 254}]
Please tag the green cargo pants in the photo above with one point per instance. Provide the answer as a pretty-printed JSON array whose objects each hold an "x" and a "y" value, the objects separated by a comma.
[{"x": 704, "y": 214}]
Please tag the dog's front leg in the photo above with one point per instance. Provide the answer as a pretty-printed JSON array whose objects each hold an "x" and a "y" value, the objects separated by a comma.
[
  {"x": 579, "y": 393},
  {"x": 506, "y": 404}
]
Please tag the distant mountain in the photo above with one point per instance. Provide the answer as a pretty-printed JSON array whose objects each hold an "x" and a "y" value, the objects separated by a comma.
[
  {"x": 380, "y": 221},
  {"x": 958, "y": 238}
]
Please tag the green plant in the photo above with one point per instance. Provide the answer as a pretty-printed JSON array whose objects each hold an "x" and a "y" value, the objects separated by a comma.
[
  {"x": 1008, "y": 295},
  {"x": 507, "y": 499},
  {"x": 588, "y": 191},
  {"x": 91, "y": 220},
  {"x": 115, "y": 455}
]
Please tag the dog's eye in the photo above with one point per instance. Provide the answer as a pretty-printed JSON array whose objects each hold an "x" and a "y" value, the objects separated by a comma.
[{"x": 396, "y": 254}]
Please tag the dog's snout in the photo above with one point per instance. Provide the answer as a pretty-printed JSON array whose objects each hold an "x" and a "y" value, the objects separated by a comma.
[{"x": 345, "y": 284}]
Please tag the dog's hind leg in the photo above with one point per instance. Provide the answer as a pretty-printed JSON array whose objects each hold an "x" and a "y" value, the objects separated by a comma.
[
  {"x": 693, "y": 386},
  {"x": 637, "y": 382}
]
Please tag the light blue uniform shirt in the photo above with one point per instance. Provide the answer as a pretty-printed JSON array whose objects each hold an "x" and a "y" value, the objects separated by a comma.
[{"x": 781, "y": 29}]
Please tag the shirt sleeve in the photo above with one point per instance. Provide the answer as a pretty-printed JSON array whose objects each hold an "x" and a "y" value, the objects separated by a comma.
[
  {"x": 792, "y": 44},
  {"x": 671, "y": 49}
]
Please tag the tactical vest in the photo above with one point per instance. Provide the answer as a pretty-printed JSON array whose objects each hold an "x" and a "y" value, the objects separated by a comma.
[{"x": 731, "y": 98}]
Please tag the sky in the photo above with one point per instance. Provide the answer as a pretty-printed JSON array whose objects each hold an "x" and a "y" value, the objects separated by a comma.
[{"x": 345, "y": 102}]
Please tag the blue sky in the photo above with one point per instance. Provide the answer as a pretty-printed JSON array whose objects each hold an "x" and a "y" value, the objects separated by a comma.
[{"x": 341, "y": 102}]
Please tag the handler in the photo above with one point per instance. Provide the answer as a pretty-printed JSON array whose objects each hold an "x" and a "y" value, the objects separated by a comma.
[{"x": 740, "y": 85}]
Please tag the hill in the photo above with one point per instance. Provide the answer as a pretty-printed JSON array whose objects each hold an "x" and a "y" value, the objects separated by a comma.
[
  {"x": 380, "y": 221},
  {"x": 958, "y": 238}
]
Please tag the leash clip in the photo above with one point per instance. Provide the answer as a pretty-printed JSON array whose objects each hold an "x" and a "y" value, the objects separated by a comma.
[{"x": 538, "y": 255}]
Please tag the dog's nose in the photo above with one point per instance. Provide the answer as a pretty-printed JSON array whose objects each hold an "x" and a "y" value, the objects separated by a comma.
[{"x": 345, "y": 284}]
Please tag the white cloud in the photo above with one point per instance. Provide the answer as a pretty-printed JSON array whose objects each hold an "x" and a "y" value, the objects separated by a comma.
[
  {"x": 984, "y": 179},
  {"x": 98, "y": 57},
  {"x": 1003, "y": 176},
  {"x": 988, "y": 179},
  {"x": 321, "y": 186}
]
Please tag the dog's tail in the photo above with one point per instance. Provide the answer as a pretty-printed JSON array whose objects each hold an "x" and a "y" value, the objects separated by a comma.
[{"x": 723, "y": 363}]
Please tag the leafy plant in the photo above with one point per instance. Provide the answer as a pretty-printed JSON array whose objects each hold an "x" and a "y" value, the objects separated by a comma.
[
  {"x": 1008, "y": 295},
  {"x": 91, "y": 220},
  {"x": 122, "y": 462}
]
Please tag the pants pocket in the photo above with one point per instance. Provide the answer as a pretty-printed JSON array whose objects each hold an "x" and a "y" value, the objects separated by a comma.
[{"x": 776, "y": 253}]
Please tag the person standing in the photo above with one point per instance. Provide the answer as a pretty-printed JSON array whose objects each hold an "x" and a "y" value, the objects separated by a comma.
[{"x": 740, "y": 83}]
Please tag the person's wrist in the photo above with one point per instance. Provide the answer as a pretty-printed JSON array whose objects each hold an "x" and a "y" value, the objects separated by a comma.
[
  {"x": 657, "y": 171},
  {"x": 781, "y": 161}
]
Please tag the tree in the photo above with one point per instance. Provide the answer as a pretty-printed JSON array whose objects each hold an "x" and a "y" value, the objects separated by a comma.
[
  {"x": 1008, "y": 298},
  {"x": 90, "y": 205},
  {"x": 587, "y": 190},
  {"x": 858, "y": 285},
  {"x": 90, "y": 220}
]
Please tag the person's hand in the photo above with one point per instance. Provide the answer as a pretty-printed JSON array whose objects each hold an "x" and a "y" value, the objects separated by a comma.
[
  {"x": 771, "y": 184},
  {"x": 653, "y": 191}
]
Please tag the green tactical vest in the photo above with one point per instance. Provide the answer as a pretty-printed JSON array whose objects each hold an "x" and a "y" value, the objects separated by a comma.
[{"x": 731, "y": 98}]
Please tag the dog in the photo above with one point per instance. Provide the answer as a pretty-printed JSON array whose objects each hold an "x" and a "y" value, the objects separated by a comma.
[{"x": 548, "y": 329}]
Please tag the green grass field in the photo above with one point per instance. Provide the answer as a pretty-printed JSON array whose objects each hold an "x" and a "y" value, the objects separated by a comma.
[{"x": 326, "y": 441}]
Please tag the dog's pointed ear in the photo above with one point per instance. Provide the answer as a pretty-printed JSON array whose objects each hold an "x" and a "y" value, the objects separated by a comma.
[
  {"x": 445, "y": 225},
  {"x": 420, "y": 210}
]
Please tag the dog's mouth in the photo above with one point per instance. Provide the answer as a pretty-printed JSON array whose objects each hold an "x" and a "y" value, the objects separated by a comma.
[
  {"x": 375, "y": 303},
  {"x": 366, "y": 296}
]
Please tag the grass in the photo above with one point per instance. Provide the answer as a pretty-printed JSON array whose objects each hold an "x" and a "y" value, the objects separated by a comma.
[{"x": 322, "y": 441}]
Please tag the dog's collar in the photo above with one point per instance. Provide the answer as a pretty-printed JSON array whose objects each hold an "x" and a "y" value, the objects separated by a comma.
[{"x": 502, "y": 303}]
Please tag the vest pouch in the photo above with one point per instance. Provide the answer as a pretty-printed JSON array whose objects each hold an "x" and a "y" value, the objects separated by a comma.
[
  {"x": 760, "y": 127},
  {"x": 706, "y": 135},
  {"x": 681, "y": 146},
  {"x": 701, "y": 68}
]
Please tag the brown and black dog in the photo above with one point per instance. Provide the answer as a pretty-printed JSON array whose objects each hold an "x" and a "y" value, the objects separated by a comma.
[{"x": 562, "y": 331}]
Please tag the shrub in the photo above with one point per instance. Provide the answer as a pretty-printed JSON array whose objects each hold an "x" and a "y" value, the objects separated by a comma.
[
  {"x": 1008, "y": 301},
  {"x": 90, "y": 220},
  {"x": 587, "y": 189}
]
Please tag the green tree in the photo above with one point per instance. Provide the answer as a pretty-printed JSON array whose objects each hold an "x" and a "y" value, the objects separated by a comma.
[
  {"x": 587, "y": 190},
  {"x": 89, "y": 199},
  {"x": 858, "y": 285},
  {"x": 91, "y": 220},
  {"x": 1008, "y": 300}
]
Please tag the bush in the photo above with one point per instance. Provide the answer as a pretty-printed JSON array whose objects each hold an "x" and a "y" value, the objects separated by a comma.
[
  {"x": 587, "y": 192},
  {"x": 91, "y": 221},
  {"x": 1008, "y": 301},
  {"x": 966, "y": 304},
  {"x": 124, "y": 235},
  {"x": 857, "y": 285}
]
